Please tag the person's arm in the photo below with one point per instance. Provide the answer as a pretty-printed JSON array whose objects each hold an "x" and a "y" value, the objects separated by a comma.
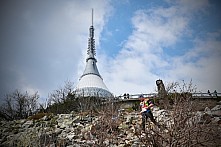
[
  {"x": 149, "y": 106},
  {"x": 142, "y": 107}
]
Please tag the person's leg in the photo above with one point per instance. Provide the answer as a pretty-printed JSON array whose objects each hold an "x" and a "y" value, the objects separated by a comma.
[
  {"x": 150, "y": 115},
  {"x": 143, "y": 120}
]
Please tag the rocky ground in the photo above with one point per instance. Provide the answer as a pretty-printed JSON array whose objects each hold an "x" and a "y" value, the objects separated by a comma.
[{"x": 75, "y": 130}]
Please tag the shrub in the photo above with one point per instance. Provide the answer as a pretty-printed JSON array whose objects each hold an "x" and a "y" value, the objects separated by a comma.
[{"x": 183, "y": 127}]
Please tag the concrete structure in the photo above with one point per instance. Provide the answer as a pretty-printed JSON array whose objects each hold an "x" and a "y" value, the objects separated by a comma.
[{"x": 91, "y": 82}]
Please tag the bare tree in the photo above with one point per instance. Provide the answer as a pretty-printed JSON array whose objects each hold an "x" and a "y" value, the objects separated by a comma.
[
  {"x": 7, "y": 109},
  {"x": 61, "y": 100},
  {"x": 60, "y": 95},
  {"x": 19, "y": 105},
  {"x": 32, "y": 103}
]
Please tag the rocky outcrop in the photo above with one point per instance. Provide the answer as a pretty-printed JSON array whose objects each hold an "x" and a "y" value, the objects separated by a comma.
[
  {"x": 86, "y": 130},
  {"x": 64, "y": 130}
]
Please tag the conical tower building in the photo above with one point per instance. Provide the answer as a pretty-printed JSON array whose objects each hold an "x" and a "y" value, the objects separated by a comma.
[{"x": 91, "y": 82}]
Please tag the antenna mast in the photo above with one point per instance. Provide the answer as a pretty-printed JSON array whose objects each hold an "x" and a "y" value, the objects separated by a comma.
[
  {"x": 91, "y": 41},
  {"x": 92, "y": 16}
]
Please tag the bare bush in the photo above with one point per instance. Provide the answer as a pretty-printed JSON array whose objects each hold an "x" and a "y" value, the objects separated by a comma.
[
  {"x": 106, "y": 129},
  {"x": 61, "y": 94},
  {"x": 63, "y": 100},
  {"x": 19, "y": 105},
  {"x": 182, "y": 127}
]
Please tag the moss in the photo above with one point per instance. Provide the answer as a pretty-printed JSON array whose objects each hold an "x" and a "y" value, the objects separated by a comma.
[
  {"x": 123, "y": 126},
  {"x": 130, "y": 109},
  {"x": 53, "y": 122},
  {"x": 39, "y": 116}
]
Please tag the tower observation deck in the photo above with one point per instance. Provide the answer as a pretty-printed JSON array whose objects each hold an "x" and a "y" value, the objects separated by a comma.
[{"x": 91, "y": 82}]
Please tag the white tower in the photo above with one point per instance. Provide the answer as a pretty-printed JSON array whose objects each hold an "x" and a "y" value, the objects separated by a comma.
[{"x": 91, "y": 82}]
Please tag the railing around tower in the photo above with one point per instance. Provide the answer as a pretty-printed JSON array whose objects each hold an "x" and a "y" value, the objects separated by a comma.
[{"x": 153, "y": 95}]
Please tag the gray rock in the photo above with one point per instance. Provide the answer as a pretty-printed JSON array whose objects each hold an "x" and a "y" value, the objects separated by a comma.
[
  {"x": 70, "y": 136},
  {"x": 219, "y": 103},
  {"x": 74, "y": 145},
  {"x": 216, "y": 108},
  {"x": 65, "y": 116},
  {"x": 106, "y": 142},
  {"x": 198, "y": 117},
  {"x": 28, "y": 124},
  {"x": 71, "y": 146},
  {"x": 86, "y": 119},
  {"x": 61, "y": 125},
  {"x": 161, "y": 115},
  {"x": 45, "y": 118},
  {"x": 155, "y": 108},
  {"x": 76, "y": 119},
  {"x": 129, "y": 119},
  {"x": 216, "y": 111},
  {"x": 22, "y": 121},
  {"x": 216, "y": 120},
  {"x": 130, "y": 136},
  {"x": 206, "y": 109},
  {"x": 135, "y": 144},
  {"x": 57, "y": 131}
]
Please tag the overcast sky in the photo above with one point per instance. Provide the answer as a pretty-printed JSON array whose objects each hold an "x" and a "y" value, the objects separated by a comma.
[{"x": 43, "y": 43}]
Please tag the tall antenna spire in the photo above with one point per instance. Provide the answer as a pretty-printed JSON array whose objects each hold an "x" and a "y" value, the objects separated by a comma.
[
  {"x": 92, "y": 16},
  {"x": 91, "y": 42},
  {"x": 91, "y": 82}
]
